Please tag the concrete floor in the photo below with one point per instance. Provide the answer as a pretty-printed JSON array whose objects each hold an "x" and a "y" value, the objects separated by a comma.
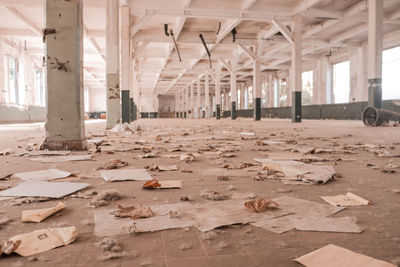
[{"x": 235, "y": 245}]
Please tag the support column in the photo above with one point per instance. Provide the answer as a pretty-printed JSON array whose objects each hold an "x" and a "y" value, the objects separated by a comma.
[
  {"x": 257, "y": 87},
  {"x": 322, "y": 85},
  {"x": 207, "y": 94},
  {"x": 358, "y": 81},
  {"x": 186, "y": 113},
  {"x": 218, "y": 91},
  {"x": 246, "y": 97},
  {"x": 112, "y": 64},
  {"x": 198, "y": 103},
  {"x": 375, "y": 45},
  {"x": 192, "y": 101},
  {"x": 135, "y": 91},
  {"x": 296, "y": 82},
  {"x": 234, "y": 97},
  {"x": 276, "y": 92},
  {"x": 125, "y": 62},
  {"x": 270, "y": 90},
  {"x": 65, "y": 126}
]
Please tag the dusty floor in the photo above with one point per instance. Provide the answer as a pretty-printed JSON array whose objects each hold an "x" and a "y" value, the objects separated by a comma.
[{"x": 243, "y": 245}]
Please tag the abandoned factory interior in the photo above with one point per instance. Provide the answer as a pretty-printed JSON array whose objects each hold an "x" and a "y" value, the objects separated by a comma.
[{"x": 201, "y": 133}]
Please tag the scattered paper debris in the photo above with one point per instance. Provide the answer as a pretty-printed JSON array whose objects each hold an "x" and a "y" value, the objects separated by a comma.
[
  {"x": 126, "y": 127},
  {"x": 134, "y": 212},
  {"x": 213, "y": 195},
  {"x": 335, "y": 256},
  {"x": 43, "y": 240},
  {"x": 261, "y": 204},
  {"x": 8, "y": 247},
  {"x": 43, "y": 175},
  {"x": 40, "y": 214},
  {"x": 43, "y": 189},
  {"x": 104, "y": 198},
  {"x": 167, "y": 184},
  {"x": 347, "y": 200},
  {"x": 125, "y": 175},
  {"x": 114, "y": 164},
  {"x": 4, "y": 221},
  {"x": 6, "y": 152}
]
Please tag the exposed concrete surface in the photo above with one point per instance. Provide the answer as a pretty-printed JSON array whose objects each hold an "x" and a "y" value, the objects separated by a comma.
[
  {"x": 13, "y": 114},
  {"x": 230, "y": 246}
]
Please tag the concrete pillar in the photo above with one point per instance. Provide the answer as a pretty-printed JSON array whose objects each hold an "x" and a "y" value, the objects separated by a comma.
[
  {"x": 227, "y": 102},
  {"x": 192, "y": 101},
  {"x": 207, "y": 94},
  {"x": 296, "y": 81},
  {"x": 65, "y": 127},
  {"x": 112, "y": 64},
  {"x": 246, "y": 97},
  {"x": 257, "y": 87},
  {"x": 218, "y": 91},
  {"x": 270, "y": 90},
  {"x": 375, "y": 46},
  {"x": 241, "y": 106},
  {"x": 234, "y": 94},
  {"x": 276, "y": 92},
  {"x": 358, "y": 81},
  {"x": 322, "y": 81},
  {"x": 125, "y": 64},
  {"x": 198, "y": 102},
  {"x": 187, "y": 103}
]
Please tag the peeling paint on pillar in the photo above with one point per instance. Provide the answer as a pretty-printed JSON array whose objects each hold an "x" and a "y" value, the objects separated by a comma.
[{"x": 65, "y": 128}]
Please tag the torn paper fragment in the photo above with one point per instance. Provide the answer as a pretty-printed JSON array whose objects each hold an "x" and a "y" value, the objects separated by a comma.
[
  {"x": 43, "y": 240},
  {"x": 134, "y": 212},
  {"x": 8, "y": 247},
  {"x": 261, "y": 204},
  {"x": 125, "y": 175},
  {"x": 334, "y": 256},
  {"x": 43, "y": 189},
  {"x": 40, "y": 214},
  {"x": 167, "y": 167},
  {"x": 167, "y": 184},
  {"x": 43, "y": 175},
  {"x": 6, "y": 152},
  {"x": 347, "y": 200},
  {"x": 63, "y": 158}
]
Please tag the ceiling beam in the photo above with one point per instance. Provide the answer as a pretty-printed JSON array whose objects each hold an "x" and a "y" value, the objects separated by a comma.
[
  {"x": 284, "y": 30},
  {"x": 142, "y": 21},
  {"x": 25, "y": 20}
]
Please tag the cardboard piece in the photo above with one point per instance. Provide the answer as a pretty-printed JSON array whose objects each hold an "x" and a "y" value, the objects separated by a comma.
[
  {"x": 105, "y": 224},
  {"x": 294, "y": 170},
  {"x": 63, "y": 158},
  {"x": 48, "y": 153},
  {"x": 261, "y": 204},
  {"x": 210, "y": 215},
  {"x": 43, "y": 175},
  {"x": 347, "y": 200},
  {"x": 301, "y": 211},
  {"x": 43, "y": 189},
  {"x": 334, "y": 256},
  {"x": 45, "y": 239},
  {"x": 125, "y": 175},
  {"x": 40, "y": 214}
]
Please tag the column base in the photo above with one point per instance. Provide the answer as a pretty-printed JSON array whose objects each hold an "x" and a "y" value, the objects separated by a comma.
[
  {"x": 233, "y": 111},
  {"x": 296, "y": 106},
  {"x": 65, "y": 145},
  {"x": 218, "y": 112},
  {"x": 257, "y": 109},
  {"x": 375, "y": 93},
  {"x": 125, "y": 107}
]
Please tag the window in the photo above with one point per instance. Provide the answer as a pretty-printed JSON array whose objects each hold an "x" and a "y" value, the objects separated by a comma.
[
  {"x": 390, "y": 76},
  {"x": 264, "y": 89},
  {"x": 12, "y": 80},
  {"x": 341, "y": 82},
  {"x": 86, "y": 98},
  {"x": 39, "y": 88},
  {"x": 283, "y": 93},
  {"x": 307, "y": 87}
]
